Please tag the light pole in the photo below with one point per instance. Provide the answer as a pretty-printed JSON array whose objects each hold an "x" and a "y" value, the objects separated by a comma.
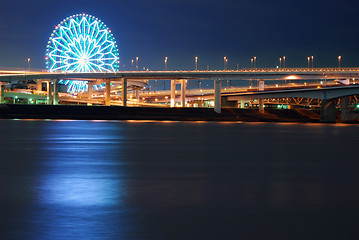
[
  {"x": 28, "y": 62},
  {"x": 312, "y": 60},
  {"x": 255, "y": 59},
  {"x": 225, "y": 63},
  {"x": 251, "y": 62},
  {"x": 339, "y": 58},
  {"x": 280, "y": 62},
  {"x": 196, "y": 59},
  {"x": 166, "y": 63},
  {"x": 283, "y": 61},
  {"x": 136, "y": 63},
  {"x": 132, "y": 64},
  {"x": 308, "y": 58}
]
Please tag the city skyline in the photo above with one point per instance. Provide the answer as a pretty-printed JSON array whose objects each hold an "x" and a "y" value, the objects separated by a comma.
[{"x": 183, "y": 30}]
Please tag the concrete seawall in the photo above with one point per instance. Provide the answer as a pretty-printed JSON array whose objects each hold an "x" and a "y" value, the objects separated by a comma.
[{"x": 17, "y": 111}]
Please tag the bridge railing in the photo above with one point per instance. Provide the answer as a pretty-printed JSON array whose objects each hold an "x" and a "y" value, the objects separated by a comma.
[{"x": 341, "y": 69}]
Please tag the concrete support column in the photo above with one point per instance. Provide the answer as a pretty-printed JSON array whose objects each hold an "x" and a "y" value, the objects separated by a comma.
[
  {"x": 108, "y": 93},
  {"x": 2, "y": 93},
  {"x": 328, "y": 111},
  {"x": 173, "y": 93},
  {"x": 217, "y": 96},
  {"x": 137, "y": 94},
  {"x": 49, "y": 92},
  {"x": 261, "y": 105},
  {"x": 124, "y": 91},
  {"x": 39, "y": 85},
  {"x": 90, "y": 89},
  {"x": 261, "y": 85},
  {"x": 183, "y": 93},
  {"x": 56, "y": 92},
  {"x": 344, "y": 107},
  {"x": 242, "y": 104}
]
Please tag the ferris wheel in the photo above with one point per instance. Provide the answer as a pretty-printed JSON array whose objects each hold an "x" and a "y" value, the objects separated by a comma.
[{"x": 81, "y": 43}]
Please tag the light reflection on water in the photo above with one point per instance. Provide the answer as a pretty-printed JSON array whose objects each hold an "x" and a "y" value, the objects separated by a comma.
[{"x": 177, "y": 180}]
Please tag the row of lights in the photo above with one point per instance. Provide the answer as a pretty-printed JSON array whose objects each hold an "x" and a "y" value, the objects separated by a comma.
[
  {"x": 253, "y": 62},
  {"x": 225, "y": 59}
]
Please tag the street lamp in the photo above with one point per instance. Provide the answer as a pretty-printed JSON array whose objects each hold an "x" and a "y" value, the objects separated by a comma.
[
  {"x": 339, "y": 58},
  {"x": 196, "y": 59},
  {"x": 308, "y": 61},
  {"x": 136, "y": 63},
  {"x": 280, "y": 62},
  {"x": 254, "y": 58},
  {"x": 132, "y": 64},
  {"x": 166, "y": 63},
  {"x": 28, "y": 62},
  {"x": 225, "y": 63},
  {"x": 312, "y": 60},
  {"x": 251, "y": 62},
  {"x": 283, "y": 61}
]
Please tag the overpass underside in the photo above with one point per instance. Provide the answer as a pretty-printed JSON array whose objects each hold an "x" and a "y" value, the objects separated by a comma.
[{"x": 328, "y": 99}]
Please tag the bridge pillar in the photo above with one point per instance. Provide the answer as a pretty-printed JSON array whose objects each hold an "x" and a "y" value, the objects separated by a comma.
[
  {"x": 183, "y": 93},
  {"x": 108, "y": 93},
  {"x": 49, "y": 92},
  {"x": 90, "y": 89},
  {"x": 2, "y": 93},
  {"x": 261, "y": 85},
  {"x": 217, "y": 96},
  {"x": 344, "y": 108},
  {"x": 261, "y": 105},
  {"x": 39, "y": 85},
  {"x": 173, "y": 93},
  {"x": 56, "y": 92},
  {"x": 327, "y": 111},
  {"x": 242, "y": 104},
  {"x": 124, "y": 91},
  {"x": 137, "y": 94}
]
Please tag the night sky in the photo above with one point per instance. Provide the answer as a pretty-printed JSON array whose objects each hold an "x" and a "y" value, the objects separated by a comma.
[{"x": 183, "y": 29}]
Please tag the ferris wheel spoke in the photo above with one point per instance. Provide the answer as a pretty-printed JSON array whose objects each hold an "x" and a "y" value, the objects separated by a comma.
[
  {"x": 63, "y": 33},
  {"x": 56, "y": 43},
  {"x": 108, "y": 46},
  {"x": 101, "y": 38}
]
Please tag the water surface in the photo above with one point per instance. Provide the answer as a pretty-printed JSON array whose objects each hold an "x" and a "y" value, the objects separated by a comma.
[{"x": 178, "y": 180}]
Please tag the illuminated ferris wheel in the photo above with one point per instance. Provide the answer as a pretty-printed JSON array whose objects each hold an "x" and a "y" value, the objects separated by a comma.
[{"x": 81, "y": 43}]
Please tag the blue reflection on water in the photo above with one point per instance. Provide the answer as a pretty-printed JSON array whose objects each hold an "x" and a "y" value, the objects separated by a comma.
[
  {"x": 77, "y": 182},
  {"x": 156, "y": 180},
  {"x": 81, "y": 190}
]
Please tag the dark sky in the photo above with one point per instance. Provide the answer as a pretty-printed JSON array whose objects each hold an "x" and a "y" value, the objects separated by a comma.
[{"x": 183, "y": 29}]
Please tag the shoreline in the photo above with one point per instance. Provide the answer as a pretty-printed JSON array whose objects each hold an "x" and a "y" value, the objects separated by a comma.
[{"x": 81, "y": 112}]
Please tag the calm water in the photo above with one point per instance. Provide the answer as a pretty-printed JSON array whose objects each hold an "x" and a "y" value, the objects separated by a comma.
[{"x": 178, "y": 180}]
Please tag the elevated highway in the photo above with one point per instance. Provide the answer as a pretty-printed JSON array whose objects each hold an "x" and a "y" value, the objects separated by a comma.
[
  {"x": 126, "y": 78},
  {"x": 243, "y": 74}
]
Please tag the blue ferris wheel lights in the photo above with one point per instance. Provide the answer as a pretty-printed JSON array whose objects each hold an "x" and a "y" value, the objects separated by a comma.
[{"x": 81, "y": 43}]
